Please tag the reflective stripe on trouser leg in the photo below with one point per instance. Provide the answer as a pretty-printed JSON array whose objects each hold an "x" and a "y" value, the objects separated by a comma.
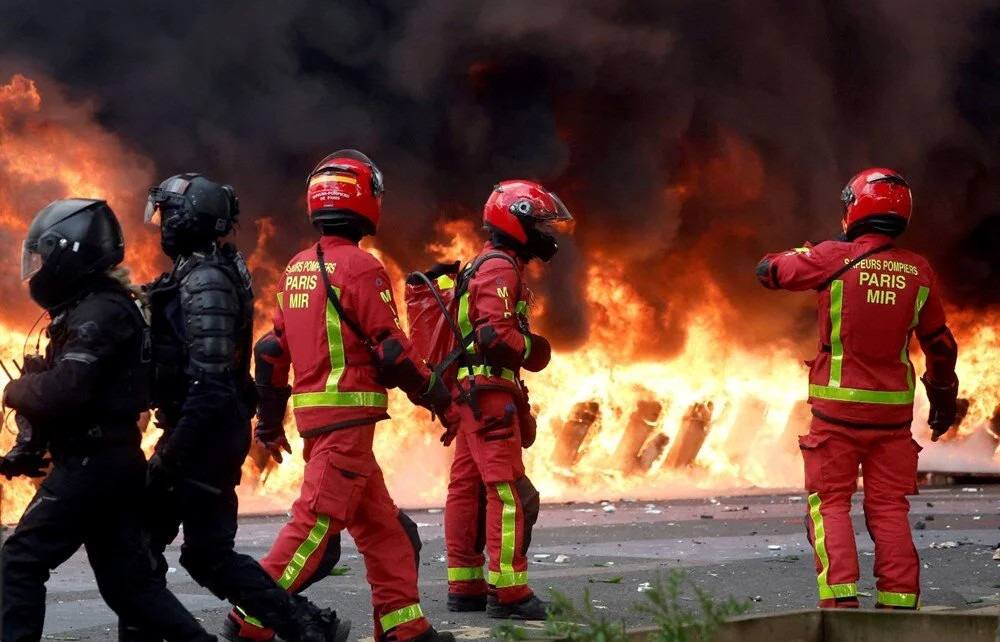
[
  {"x": 900, "y": 600},
  {"x": 826, "y": 591},
  {"x": 401, "y": 616},
  {"x": 507, "y": 577},
  {"x": 466, "y": 574},
  {"x": 302, "y": 554}
]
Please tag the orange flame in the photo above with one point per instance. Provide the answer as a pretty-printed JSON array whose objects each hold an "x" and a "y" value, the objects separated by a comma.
[{"x": 745, "y": 403}]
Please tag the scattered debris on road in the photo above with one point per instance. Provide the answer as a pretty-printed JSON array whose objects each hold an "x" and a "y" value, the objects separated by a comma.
[
  {"x": 945, "y": 544},
  {"x": 606, "y": 580}
]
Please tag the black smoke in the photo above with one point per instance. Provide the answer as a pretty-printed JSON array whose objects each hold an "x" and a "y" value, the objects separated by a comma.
[{"x": 688, "y": 138}]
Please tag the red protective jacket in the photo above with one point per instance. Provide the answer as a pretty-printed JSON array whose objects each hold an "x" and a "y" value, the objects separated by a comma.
[
  {"x": 862, "y": 375},
  {"x": 339, "y": 381},
  {"x": 495, "y": 307}
]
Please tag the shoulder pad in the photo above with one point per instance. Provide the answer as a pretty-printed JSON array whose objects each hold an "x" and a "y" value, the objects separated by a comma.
[
  {"x": 206, "y": 276},
  {"x": 242, "y": 270},
  {"x": 233, "y": 260}
]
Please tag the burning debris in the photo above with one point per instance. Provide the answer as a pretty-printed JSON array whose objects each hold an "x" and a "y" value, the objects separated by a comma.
[
  {"x": 651, "y": 453},
  {"x": 640, "y": 426},
  {"x": 574, "y": 432},
  {"x": 694, "y": 429}
]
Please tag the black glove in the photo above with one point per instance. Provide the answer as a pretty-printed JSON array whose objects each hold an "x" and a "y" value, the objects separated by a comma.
[
  {"x": 33, "y": 364},
  {"x": 27, "y": 457},
  {"x": 270, "y": 429},
  {"x": 437, "y": 398},
  {"x": 20, "y": 462},
  {"x": 159, "y": 474},
  {"x": 944, "y": 406}
]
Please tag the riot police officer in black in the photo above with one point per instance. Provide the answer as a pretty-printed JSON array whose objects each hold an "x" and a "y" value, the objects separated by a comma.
[
  {"x": 202, "y": 328},
  {"x": 81, "y": 403}
]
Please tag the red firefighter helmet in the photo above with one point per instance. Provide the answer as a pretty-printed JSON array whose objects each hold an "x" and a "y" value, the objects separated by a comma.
[
  {"x": 516, "y": 206},
  {"x": 878, "y": 198},
  {"x": 346, "y": 186}
]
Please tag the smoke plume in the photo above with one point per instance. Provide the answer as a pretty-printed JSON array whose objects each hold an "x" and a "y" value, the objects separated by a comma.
[{"x": 686, "y": 138}]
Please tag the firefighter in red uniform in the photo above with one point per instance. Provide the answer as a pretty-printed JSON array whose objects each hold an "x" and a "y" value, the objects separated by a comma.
[
  {"x": 491, "y": 503},
  {"x": 336, "y": 326},
  {"x": 873, "y": 296}
]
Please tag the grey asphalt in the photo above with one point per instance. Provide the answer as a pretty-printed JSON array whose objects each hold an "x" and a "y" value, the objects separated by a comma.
[{"x": 749, "y": 547}]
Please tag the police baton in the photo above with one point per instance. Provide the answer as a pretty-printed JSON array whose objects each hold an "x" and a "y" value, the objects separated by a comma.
[{"x": 208, "y": 488}]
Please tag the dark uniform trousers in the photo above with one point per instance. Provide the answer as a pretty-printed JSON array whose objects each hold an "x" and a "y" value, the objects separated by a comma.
[{"x": 91, "y": 499}]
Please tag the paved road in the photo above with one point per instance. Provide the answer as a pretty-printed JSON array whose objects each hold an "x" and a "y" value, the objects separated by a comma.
[{"x": 750, "y": 547}]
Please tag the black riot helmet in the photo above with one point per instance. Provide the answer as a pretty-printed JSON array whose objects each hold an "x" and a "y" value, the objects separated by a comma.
[
  {"x": 68, "y": 243},
  {"x": 192, "y": 211}
]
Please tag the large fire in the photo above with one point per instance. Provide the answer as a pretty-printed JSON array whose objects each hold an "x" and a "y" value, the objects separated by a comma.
[{"x": 612, "y": 423}]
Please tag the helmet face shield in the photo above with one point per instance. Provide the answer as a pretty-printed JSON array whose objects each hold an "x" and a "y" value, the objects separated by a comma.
[
  {"x": 170, "y": 192},
  {"x": 560, "y": 214},
  {"x": 31, "y": 261},
  {"x": 157, "y": 196},
  {"x": 152, "y": 214}
]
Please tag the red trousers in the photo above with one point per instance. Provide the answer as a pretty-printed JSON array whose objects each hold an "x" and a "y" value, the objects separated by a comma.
[
  {"x": 343, "y": 487},
  {"x": 888, "y": 461},
  {"x": 491, "y": 504}
]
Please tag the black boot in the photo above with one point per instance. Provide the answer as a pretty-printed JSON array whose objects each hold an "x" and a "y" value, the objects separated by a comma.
[
  {"x": 305, "y": 622},
  {"x": 327, "y": 627},
  {"x": 530, "y": 608},
  {"x": 461, "y": 603},
  {"x": 322, "y": 621}
]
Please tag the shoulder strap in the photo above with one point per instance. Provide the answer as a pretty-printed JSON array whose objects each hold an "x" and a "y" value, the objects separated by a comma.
[
  {"x": 473, "y": 267},
  {"x": 331, "y": 295},
  {"x": 852, "y": 263}
]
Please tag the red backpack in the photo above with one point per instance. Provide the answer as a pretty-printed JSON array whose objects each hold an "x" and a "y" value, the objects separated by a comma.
[{"x": 432, "y": 299}]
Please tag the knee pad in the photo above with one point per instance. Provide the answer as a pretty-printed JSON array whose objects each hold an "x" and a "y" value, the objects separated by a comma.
[
  {"x": 530, "y": 503},
  {"x": 411, "y": 534}
]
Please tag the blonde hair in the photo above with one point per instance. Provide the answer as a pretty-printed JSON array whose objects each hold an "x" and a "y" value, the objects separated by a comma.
[{"x": 123, "y": 275}]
